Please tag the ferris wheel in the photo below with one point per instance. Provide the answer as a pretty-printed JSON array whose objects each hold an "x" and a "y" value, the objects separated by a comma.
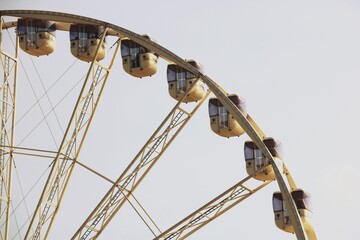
[{"x": 34, "y": 32}]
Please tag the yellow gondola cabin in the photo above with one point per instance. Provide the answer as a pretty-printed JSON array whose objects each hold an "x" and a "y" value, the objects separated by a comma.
[
  {"x": 137, "y": 60},
  {"x": 255, "y": 160},
  {"x": 221, "y": 121},
  {"x": 36, "y": 37},
  {"x": 302, "y": 201},
  {"x": 84, "y": 41},
  {"x": 180, "y": 82}
]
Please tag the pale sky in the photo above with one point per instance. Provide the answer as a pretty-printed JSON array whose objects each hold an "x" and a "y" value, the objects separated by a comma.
[{"x": 295, "y": 62}]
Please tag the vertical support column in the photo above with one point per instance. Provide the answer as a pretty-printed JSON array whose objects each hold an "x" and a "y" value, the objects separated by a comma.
[
  {"x": 9, "y": 65},
  {"x": 70, "y": 147}
]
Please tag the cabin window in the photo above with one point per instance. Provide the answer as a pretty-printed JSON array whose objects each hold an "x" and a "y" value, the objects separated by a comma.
[
  {"x": 22, "y": 29},
  {"x": 74, "y": 35},
  {"x": 34, "y": 26},
  {"x": 171, "y": 76},
  {"x": 278, "y": 204},
  {"x": 132, "y": 49},
  {"x": 249, "y": 153},
  {"x": 175, "y": 72},
  {"x": 31, "y": 35},
  {"x": 134, "y": 52},
  {"x": 82, "y": 34},
  {"x": 83, "y": 41},
  {"x": 223, "y": 118},
  {"x": 259, "y": 158},
  {"x": 129, "y": 47},
  {"x": 213, "y": 110},
  {"x": 125, "y": 51},
  {"x": 180, "y": 76}
]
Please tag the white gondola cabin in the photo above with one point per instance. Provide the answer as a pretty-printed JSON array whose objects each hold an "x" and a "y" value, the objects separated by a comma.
[
  {"x": 84, "y": 41},
  {"x": 36, "y": 37},
  {"x": 221, "y": 121},
  {"x": 255, "y": 159},
  {"x": 180, "y": 82},
  {"x": 302, "y": 201},
  {"x": 137, "y": 60}
]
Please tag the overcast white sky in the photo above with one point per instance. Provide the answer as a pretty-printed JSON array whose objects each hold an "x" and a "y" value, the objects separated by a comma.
[{"x": 295, "y": 62}]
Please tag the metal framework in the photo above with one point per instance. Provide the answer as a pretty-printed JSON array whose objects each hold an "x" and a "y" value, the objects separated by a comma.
[
  {"x": 136, "y": 171},
  {"x": 213, "y": 209},
  {"x": 69, "y": 149},
  {"x": 9, "y": 66},
  {"x": 129, "y": 180}
]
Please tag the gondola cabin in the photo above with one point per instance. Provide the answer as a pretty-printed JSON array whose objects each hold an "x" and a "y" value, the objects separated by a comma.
[
  {"x": 36, "y": 37},
  {"x": 302, "y": 201},
  {"x": 255, "y": 159},
  {"x": 221, "y": 121},
  {"x": 84, "y": 42},
  {"x": 180, "y": 83},
  {"x": 137, "y": 60}
]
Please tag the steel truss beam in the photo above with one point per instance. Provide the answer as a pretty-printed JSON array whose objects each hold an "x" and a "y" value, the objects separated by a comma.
[
  {"x": 9, "y": 66},
  {"x": 70, "y": 147},
  {"x": 136, "y": 171},
  {"x": 210, "y": 211}
]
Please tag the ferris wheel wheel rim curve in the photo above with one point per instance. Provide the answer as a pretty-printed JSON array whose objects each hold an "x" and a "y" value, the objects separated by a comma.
[{"x": 253, "y": 131}]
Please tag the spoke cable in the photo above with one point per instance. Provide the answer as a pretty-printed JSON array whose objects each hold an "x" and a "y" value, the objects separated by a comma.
[
  {"x": 47, "y": 95},
  {"x": 50, "y": 88},
  {"x": 126, "y": 197},
  {"x": 38, "y": 102},
  {"x": 44, "y": 118},
  {"x": 24, "y": 196}
]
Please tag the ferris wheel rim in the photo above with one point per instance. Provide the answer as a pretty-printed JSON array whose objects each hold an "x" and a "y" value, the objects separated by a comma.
[
  {"x": 167, "y": 55},
  {"x": 52, "y": 16}
]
